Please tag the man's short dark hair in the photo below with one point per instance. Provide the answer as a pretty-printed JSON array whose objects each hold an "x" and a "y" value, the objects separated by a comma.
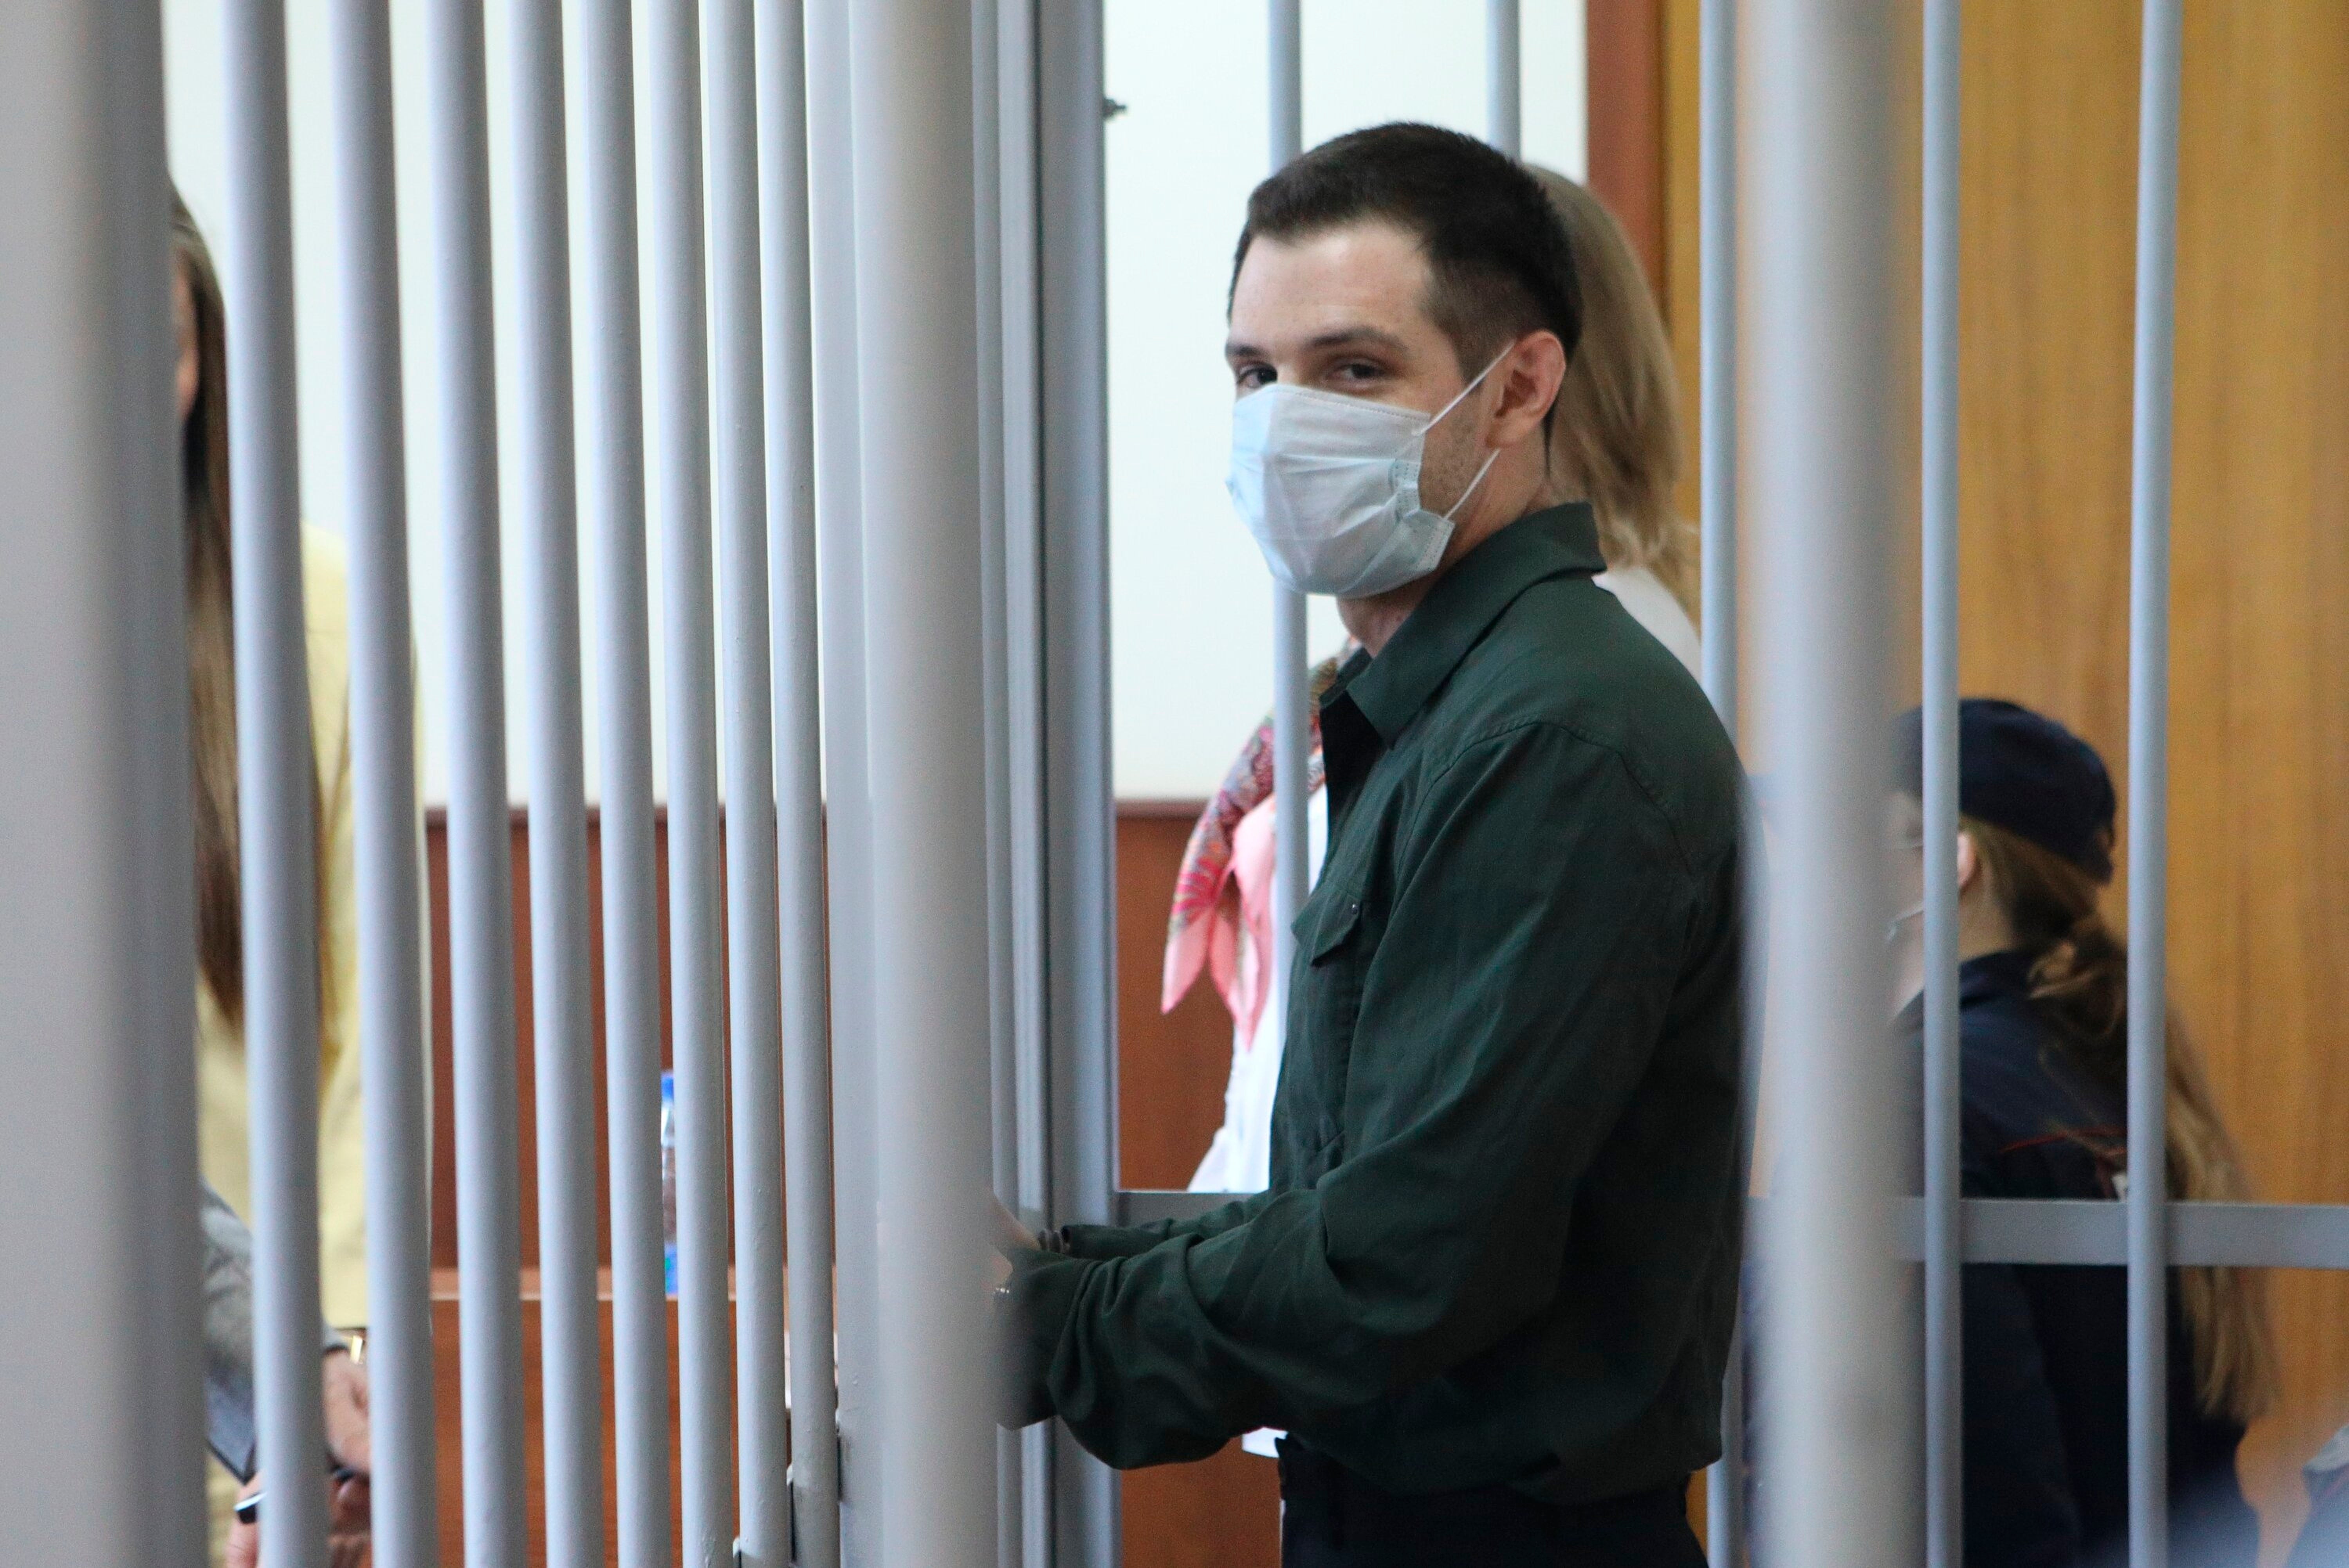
[{"x": 1498, "y": 256}]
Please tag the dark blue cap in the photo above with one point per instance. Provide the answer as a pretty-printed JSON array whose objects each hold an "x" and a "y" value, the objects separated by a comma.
[{"x": 2023, "y": 771}]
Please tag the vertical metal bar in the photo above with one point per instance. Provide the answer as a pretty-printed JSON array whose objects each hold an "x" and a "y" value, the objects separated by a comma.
[
  {"x": 1024, "y": 624},
  {"x": 754, "y": 958},
  {"x": 386, "y": 828},
  {"x": 569, "y": 1353},
  {"x": 2148, "y": 775},
  {"x": 698, "y": 1030},
  {"x": 615, "y": 492},
  {"x": 1285, "y": 82},
  {"x": 1503, "y": 79},
  {"x": 916, "y": 302},
  {"x": 987, "y": 250},
  {"x": 1003, "y": 977},
  {"x": 276, "y": 765},
  {"x": 1080, "y": 848},
  {"x": 98, "y": 1347},
  {"x": 481, "y": 906},
  {"x": 1023, "y": 574},
  {"x": 1725, "y": 1510},
  {"x": 1944, "y": 1345},
  {"x": 848, "y": 805},
  {"x": 1841, "y": 1484},
  {"x": 798, "y": 778},
  {"x": 1717, "y": 347},
  {"x": 1291, "y": 724},
  {"x": 1717, "y": 509}
]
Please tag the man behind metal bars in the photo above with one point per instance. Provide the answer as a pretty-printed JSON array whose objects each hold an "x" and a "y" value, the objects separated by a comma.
[{"x": 1488, "y": 1294}]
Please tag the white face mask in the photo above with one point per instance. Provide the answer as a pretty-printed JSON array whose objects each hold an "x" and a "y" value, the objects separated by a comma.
[{"x": 1330, "y": 487}]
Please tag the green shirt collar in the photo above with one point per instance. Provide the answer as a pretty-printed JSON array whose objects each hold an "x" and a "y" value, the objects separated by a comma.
[{"x": 1391, "y": 689}]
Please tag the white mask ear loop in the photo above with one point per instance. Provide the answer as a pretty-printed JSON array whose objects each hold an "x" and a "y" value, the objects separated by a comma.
[
  {"x": 1475, "y": 381},
  {"x": 1490, "y": 458}
]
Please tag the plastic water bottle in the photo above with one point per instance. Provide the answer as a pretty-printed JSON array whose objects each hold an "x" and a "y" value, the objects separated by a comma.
[{"x": 669, "y": 1178}]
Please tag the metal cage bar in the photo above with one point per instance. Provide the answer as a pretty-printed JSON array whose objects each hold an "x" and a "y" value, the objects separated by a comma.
[
  {"x": 848, "y": 805},
  {"x": 1503, "y": 78},
  {"x": 386, "y": 832},
  {"x": 2149, "y": 779},
  {"x": 1292, "y": 740},
  {"x": 680, "y": 390},
  {"x": 916, "y": 303},
  {"x": 481, "y": 906},
  {"x": 1726, "y": 1520},
  {"x": 562, "y": 1045},
  {"x": 1079, "y": 847},
  {"x": 1004, "y": 978},
  {"x": 274, "y": 770},
  {"x": 753, "y": 968},
  {"x": 1938, "y": 561},
  {"x": 1017, "y": 175},
  {"x": 1717, "y": 350},
  {"x": 782, "y": 127},
  {"x": 98, "y": 1342},
  {"x": 616, "y": 496},
  {"x": 1818, "y": 116}
]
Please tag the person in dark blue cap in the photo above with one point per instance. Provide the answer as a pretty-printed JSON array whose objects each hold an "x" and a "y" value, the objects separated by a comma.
[{"x": 2043, "y": 1029}]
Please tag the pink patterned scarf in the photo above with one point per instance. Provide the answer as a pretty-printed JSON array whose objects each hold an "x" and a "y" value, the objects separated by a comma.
[{"x": 1224, "y": 884}]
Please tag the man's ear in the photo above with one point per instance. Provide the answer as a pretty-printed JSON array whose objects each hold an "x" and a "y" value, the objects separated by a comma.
[
  {"x": 1530, "y": 379},
  {"x": 1970, "y": 866}
]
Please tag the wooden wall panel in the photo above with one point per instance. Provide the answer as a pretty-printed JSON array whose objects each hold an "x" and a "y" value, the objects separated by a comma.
[
  {"x": 1224, "y": 1512},
  {"x": 2260, "y": 704},
  {"x": 1623, "y": 46}
]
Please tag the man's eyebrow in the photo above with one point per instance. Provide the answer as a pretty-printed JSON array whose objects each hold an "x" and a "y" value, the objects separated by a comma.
[{"x": 1337, "y": 337}]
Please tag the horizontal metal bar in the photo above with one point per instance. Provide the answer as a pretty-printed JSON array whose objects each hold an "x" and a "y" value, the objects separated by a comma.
[
  {"x": 2202, "y": 1236},
  {"x": 2018, "y": 1229},
  {"x": 1145, "y": 1206}
]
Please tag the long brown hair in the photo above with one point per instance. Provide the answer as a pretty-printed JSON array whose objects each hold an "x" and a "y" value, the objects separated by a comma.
[
  {"x": 2079, "y": 981},
  {"x": 212, "y": 647},
  {"x": 1616, "y": 436},
  {"x": 211, "y": 632}
]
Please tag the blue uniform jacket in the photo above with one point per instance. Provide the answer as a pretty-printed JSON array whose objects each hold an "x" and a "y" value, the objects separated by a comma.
[{"x": 2046, "y": 1365}]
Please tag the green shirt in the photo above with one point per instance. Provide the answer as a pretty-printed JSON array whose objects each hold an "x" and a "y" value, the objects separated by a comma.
[{"x": 1501, "y": 1241}]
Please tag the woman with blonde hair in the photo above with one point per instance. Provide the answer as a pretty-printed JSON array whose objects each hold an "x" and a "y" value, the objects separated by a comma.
[
  {"x": 1615, "y": 442},
  {"x": 2043, "y": 1029},
  {"x": 199, "y": 317},
  {"x": 1616, "y": 439}
]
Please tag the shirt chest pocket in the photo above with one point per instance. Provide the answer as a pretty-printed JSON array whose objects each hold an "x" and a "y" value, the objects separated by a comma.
[{"x": 1333, "y": 960}]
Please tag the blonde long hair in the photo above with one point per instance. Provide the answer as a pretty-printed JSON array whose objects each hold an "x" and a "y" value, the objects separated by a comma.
[
  {"x": 212, "y": 648},
  {"x": 2079, "y": 981},
  {"x": 1617, "y": 438}
]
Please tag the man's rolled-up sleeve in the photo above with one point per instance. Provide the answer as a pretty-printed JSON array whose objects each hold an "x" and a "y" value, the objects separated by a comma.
[{"x": 1541, "y": 911}]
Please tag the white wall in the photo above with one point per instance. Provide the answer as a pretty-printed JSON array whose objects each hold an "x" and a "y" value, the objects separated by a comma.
[
  {"x": 1191, "y": 618},
  {"x": 1191, "y": 608}
]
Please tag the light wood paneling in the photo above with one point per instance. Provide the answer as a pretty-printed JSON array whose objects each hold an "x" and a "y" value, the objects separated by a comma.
[{"x": 2260, "y": 702}]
